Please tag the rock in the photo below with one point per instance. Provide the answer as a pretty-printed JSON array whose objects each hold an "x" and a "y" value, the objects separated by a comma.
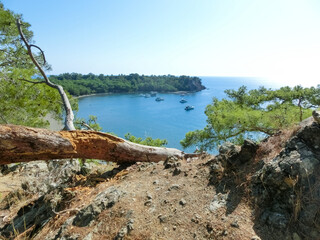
[
  {"x": 283, "y": 186},
  {"x": 226, "y": 147},
  {"x": 234, "y": 224},
  {"x": 316, "y": 116},
  {"x": 148, "y": 203},
  {"x": 209, "y": 227},
  {"x": 176, "y": 171},
  {"x": 130, "y": 225},
  {"x": 149, "y": 196},
  {"x": 42, "y": 177},
  {"x": 171, "y": 162},
  {"x": 182, "y": 202},
  {"x": 218, "y": 201},
  {"x": 103, "y": 201},
  {"x": 275, "y": 219},
  {"x": 248, "y": 150},
  {"x": 196, "y": 218},
  {"x": 88, "y": 237},
  {"x": 125, "y": 230},
  {"x": 163, "y": 219},
  {"x": 37, "y": 213},
  {"x": 86, "y": 168},
  {"x": 121, "y": 234},
  {"x": 174, "y": 187}
]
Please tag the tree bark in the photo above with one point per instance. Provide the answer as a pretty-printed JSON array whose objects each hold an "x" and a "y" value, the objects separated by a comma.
[{"x": 24, "y": 144}]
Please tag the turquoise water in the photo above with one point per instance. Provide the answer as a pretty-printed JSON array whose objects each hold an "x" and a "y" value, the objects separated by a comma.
[{"x": 143, "y": 117}]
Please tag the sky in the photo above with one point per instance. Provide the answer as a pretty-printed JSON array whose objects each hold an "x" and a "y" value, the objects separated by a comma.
[{"x": 276, "y": 40}]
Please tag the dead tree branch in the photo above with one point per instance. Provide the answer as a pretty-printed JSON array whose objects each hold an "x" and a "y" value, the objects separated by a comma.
[
  {"x": 25, "y": 144},
  {"x": 67, "y": 106}
]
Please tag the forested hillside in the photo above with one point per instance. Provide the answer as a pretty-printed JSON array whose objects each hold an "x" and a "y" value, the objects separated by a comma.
[{"x": 78, "y": 84}]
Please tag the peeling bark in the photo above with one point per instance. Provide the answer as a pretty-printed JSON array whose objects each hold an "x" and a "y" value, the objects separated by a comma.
[{"x": 24, "y": 144}]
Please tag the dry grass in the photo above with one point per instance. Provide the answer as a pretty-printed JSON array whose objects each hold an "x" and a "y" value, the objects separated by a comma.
[{"x": 273, "y": 145}]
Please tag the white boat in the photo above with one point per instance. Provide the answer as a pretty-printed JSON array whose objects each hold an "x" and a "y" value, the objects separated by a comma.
[{"x": 188, "y": 108}]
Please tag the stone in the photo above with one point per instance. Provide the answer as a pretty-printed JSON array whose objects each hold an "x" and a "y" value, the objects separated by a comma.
[
  {"x": 171, "y": 162},
  {"x": 148, "y": 203},
  {"x": 196, "y": 219},
  {"x": 86, "y": 168},
  {"x": 226, "y": 147},
  {"x": 149, "y": 196},
  {"x": 163, "y": 219},
  {"x": 102, "y": 201},
  {"x": 219, "y": 200},
  {"x": 182, "y": 202},
  {"x": 176, "y": 171},
  {"x": 234, "y": 224},
  {"x": 248, "y": 150},
  {"x": 316, "y": 116},
  {"x": 174, "y": 187},
  {"x": 88, "y": 237}
]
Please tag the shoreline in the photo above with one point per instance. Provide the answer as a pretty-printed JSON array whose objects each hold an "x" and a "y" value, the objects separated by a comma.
[{"x": 110, "y": 93}]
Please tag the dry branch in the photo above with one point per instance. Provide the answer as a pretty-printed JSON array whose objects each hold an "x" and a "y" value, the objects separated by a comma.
[
  {"x": 24, "y": 144},
  {"x": 68, "y": 125}
]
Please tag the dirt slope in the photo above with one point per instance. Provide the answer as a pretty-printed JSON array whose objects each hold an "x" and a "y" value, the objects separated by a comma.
[{"x": 270, "y": 191}]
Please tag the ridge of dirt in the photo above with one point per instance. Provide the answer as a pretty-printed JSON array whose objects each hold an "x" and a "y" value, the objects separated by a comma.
[{"x": 245, "y": 192}]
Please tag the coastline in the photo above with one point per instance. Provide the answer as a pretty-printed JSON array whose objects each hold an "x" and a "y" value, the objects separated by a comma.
[{"x": 110, "y": 93}]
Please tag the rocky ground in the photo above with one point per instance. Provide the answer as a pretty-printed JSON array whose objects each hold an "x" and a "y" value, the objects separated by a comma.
[{"x": 265, "y": 191}]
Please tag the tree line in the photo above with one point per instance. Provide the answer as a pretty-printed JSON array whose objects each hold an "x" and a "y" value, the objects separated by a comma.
[{"x": 82, "y": 84}]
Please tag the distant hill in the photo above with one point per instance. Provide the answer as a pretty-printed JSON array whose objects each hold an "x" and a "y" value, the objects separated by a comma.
[{"x": 78, "y": 84}]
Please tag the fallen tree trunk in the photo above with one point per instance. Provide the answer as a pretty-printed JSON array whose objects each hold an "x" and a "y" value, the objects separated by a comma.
[{"x": 24, "y": 144}]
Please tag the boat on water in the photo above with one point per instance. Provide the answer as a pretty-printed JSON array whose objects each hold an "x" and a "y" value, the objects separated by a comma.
[
  {"x": 153, "y": 94},
  {"x": 188, "y": 108},
  {"x": 158, "y": 99},
  {"x": 183, "y": 100},
  {"x": 147, "y": 95}
]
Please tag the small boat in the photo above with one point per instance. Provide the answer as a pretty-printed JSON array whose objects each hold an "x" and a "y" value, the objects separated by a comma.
[
  {"x": 153, "y": 94},
  {"x": 183, "y": 100},
  {"x": 188, "y": 108},
  {"x": 158, "y": 99},
  {"x": 147, "y": 96}
]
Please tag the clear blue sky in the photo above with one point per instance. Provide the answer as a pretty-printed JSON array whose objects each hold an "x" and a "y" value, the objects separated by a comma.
[{"x": 275, "y": 39}]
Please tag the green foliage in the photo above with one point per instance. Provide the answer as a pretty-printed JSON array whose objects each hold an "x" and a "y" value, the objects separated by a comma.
[
  {"x": 147, "y": 141},
  {"x": 21, "y": 102},
  {"x": 78, "y": 84},
  {"x": 256, "y": 111}
]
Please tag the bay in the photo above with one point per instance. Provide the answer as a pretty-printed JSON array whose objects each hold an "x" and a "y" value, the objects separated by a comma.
[{"x": 145, "y": 117}]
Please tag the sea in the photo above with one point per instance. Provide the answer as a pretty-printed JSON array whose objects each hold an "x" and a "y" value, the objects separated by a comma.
[{"x": 144, "y": 117}]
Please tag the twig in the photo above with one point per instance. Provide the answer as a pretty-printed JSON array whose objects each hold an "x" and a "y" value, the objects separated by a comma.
[
  {"x": 3, "y": 119},
  {"x": 25, "y": 80},
  {"x": 87, "y": 126},
  {"x": 42, "y": 53},
  {"x": 66, "y": 210}
]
